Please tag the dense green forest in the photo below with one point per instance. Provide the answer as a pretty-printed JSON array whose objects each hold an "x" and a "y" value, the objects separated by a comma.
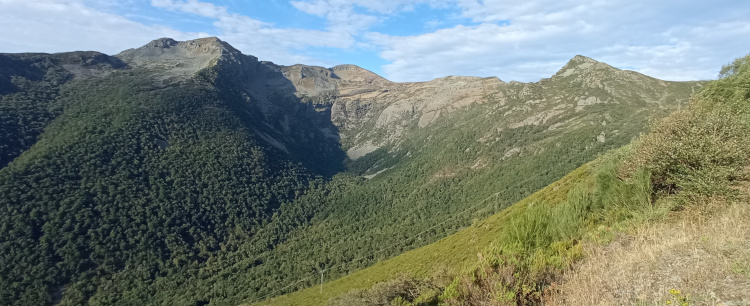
[
  {"x": 27, "y": 103},
  {"x": 132, "y": 176},
  {"x": 124, "y": 186},
  {"x": 695, "y": 159}
]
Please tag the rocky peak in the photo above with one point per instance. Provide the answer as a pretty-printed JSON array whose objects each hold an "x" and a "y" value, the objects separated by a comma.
[
  {"x": 162, "y": 46},
  {"x": 164, "y": 42},
  {"x": 346, "y": 67},
  {"x": 357, "y": 74},
  {"x": 180, "y": 58},
  {"x": 580, "y": 59},
  {"x": 208, "y": 44},
  {"x": 582, "y": 65}
]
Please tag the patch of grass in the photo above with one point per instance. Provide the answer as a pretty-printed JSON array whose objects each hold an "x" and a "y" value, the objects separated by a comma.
[
  {"x": 403, "y": 290},
  {"x": 678, "y": 298},
  {"x": 666, "y": 253},
  {"x": 545, "y": 239}
]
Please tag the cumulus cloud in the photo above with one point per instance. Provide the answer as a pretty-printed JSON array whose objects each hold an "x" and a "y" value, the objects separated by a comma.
[
  {"x": 194, "y": 7},
  {"x": 673, "y": 40},
  {"x": 341, "y": 15},
  {"x": 525, "y": 41},
  {"x": 59, "y": 26},
  {"x": 322, "y": 7},
  {"x": 264, "y": 40}
]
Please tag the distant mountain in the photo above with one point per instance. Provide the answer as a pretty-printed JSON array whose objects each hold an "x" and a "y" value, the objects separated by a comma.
[
  {"x": 630, "y": 227},
  {"x": 188, "y": 172}
]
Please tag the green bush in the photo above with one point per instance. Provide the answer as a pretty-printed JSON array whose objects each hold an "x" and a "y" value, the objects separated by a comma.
[{"x": 698, "y": 151}]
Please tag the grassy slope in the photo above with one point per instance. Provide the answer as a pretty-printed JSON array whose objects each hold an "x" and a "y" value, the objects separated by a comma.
[
  {"x": 453, "y": 252},
  {"x": 693, "y": 156},
  {"x": 698, "y": 255},
  {"x": 459, "y": 160}
]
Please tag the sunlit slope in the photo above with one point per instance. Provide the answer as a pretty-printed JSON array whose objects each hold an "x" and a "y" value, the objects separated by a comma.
[
  {"x": 189, "y": 173},
  {"x": 452, "y": 253},
  {"x": 695, "y": 160},
  {"x": 538, "y": 131}
]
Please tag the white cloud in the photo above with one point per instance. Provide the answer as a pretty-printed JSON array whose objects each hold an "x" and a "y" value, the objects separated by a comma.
[
  {"x": 261, "y": 39},
  {"x": 322, "y": 7},
  {"x": 59, "y": 26},
  {"x": 670, "y": 39},
  {"x": 193, "y": 6},
  {"x": 342, "y": 16},
  {"x": 673, "y": 40}
]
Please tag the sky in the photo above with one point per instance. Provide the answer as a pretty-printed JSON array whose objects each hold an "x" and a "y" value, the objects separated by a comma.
[{"x": 407, "y": 40}]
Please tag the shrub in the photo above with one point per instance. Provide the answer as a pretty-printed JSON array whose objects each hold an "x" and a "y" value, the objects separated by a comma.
[{"x": 702, "y": 149}]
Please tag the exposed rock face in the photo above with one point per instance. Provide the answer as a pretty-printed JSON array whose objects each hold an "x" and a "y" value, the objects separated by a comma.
[
  {"x": 179, "y": 59},
  {"x": 363, "y": 111},
  {"x": 372, "y": 112},
  {"x": 360, "y": 99},
  {"x": 354, "y": 73}
]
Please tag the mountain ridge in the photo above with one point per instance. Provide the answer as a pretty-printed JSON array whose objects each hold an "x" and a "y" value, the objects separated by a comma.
[
  {"x": 642, "y": 211},
  {"x": 207, "y": 167}
]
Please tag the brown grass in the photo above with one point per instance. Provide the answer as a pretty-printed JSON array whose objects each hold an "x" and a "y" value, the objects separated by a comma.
[{"x": 703, "y": 251}]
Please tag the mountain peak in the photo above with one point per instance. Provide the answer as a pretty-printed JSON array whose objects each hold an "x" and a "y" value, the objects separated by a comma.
[
  {"x": 164, "y": 42},
  {"x": 356, "y": 73},
  {"x": 179, "y": 57},
  {"x": 346, "y": 67},
  {"x": 581, "y": 65},
  {"x": 583, "y": 59},
  {"x": 204, "y": 45}
]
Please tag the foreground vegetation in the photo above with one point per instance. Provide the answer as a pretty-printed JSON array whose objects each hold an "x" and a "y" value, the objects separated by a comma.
[{"x": 697, "y": 155}]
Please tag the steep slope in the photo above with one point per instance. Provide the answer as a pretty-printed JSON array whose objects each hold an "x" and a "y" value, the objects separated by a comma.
[
  {"x": 378, "y": 113},
  {"x": 689, "y": 173},
  {"x": 30, "y": 84},
  {"x": 188, "y": 172},
  {"x": 447, "y": 256},
  {"x": 144, "y": 166},
  {"x": 517, "y": 139},
  {"x": 261, "y": 92}
]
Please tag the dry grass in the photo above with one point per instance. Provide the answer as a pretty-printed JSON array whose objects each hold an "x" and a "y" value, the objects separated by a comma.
[{"x": 703, "y": 251}]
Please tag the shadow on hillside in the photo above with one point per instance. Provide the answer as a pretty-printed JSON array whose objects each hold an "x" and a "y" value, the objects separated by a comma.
[{"x": 290, "y": 127}]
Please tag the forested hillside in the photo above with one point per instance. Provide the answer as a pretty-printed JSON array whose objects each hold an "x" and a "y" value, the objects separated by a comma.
[
  {"x": 132, "y": 175},
  {"x": 661, "y": 220},
  {"x": 187, "y": 172},
  {"x": 29, "y": 88}
]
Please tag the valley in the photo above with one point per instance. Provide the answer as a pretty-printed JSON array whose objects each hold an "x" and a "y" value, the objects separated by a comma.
[{"x": 189, "y": 173}]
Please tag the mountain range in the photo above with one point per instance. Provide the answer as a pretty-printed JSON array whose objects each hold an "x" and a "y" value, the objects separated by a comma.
[{"x": 190, "y": 173}]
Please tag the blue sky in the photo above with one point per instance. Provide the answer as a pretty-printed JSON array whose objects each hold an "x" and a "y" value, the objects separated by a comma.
[{"x": 407, "y": 40}]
